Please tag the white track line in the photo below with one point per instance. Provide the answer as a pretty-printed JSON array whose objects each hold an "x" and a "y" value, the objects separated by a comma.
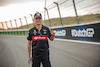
[{"x": 78, "y": 41}]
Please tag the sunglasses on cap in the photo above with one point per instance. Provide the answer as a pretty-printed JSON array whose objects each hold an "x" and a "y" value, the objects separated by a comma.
[{"x": 38, "y": 18}]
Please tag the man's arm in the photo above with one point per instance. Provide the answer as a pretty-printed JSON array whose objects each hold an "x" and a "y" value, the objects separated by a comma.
[{"x": 28, "y": 49}]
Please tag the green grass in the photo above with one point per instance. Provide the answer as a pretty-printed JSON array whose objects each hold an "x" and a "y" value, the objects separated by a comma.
[
  {"x": 72, "y": 20},
  {"x": 68, "y": 20}
]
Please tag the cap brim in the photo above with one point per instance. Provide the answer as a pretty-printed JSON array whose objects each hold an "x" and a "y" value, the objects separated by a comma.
[{"x": 37, "y": 17}]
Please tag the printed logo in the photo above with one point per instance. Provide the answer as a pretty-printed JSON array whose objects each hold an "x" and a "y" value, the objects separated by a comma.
[
  {"x": 38, "y": 14},
  {"x": 34, "y": 32},
  {"x": 39, "y": 37},
  {"x": 44, "y": 31},
  {"x": 60, "y": 33},
  {"x": 89, "y": 32},
  {"x": 35, "y": 38}
]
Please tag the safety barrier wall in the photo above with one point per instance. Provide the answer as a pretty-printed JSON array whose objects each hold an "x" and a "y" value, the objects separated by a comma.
[
  {"x": 87, "y": 32},
  {"x": 14, "y": 32}
]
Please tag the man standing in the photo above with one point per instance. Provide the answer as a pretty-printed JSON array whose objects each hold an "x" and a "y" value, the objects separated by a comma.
[{"x": 40, "y": 46}]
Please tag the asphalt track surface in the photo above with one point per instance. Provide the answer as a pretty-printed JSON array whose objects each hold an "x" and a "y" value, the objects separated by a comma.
[{"x": 13, "y": 53}]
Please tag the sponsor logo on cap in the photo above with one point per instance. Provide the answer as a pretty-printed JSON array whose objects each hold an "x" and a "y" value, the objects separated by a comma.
[{"x": 38, "y": 14}]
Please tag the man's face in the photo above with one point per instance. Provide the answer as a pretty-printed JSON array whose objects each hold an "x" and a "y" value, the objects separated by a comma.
[{"x": 38, "y": 20}]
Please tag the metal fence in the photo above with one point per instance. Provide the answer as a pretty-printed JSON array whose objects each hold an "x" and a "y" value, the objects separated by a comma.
[
  {"x": 73, "y": 12},
  {"x": 59, "y": 13}
]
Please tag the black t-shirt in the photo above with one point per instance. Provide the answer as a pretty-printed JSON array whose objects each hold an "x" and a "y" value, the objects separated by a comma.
[{"x": 39, "y": 40}]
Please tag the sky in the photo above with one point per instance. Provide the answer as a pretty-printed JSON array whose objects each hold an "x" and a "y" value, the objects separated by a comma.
[{"x": 15, "y": 9}]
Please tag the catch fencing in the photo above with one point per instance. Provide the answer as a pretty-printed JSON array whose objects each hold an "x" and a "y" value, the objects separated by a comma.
[{"x": 64, "y": 12}]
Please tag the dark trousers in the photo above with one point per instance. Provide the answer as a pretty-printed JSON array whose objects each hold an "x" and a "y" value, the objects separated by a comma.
[{"x": 44, "y": 59}]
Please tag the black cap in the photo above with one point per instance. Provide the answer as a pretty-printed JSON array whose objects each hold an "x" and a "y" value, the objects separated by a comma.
[{"x": 37, "y": 15}]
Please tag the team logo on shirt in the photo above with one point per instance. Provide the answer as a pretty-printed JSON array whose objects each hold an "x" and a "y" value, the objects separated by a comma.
[
  {"x": 34, "y": 32},
  {"x": 35, "y": 38},
  {"x": 44, "y": 31}
]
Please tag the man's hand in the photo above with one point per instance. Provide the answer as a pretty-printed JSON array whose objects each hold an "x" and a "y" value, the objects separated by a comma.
[
  {"x": 52, "y": 34},
  {"x": 29, "y": 60}
]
